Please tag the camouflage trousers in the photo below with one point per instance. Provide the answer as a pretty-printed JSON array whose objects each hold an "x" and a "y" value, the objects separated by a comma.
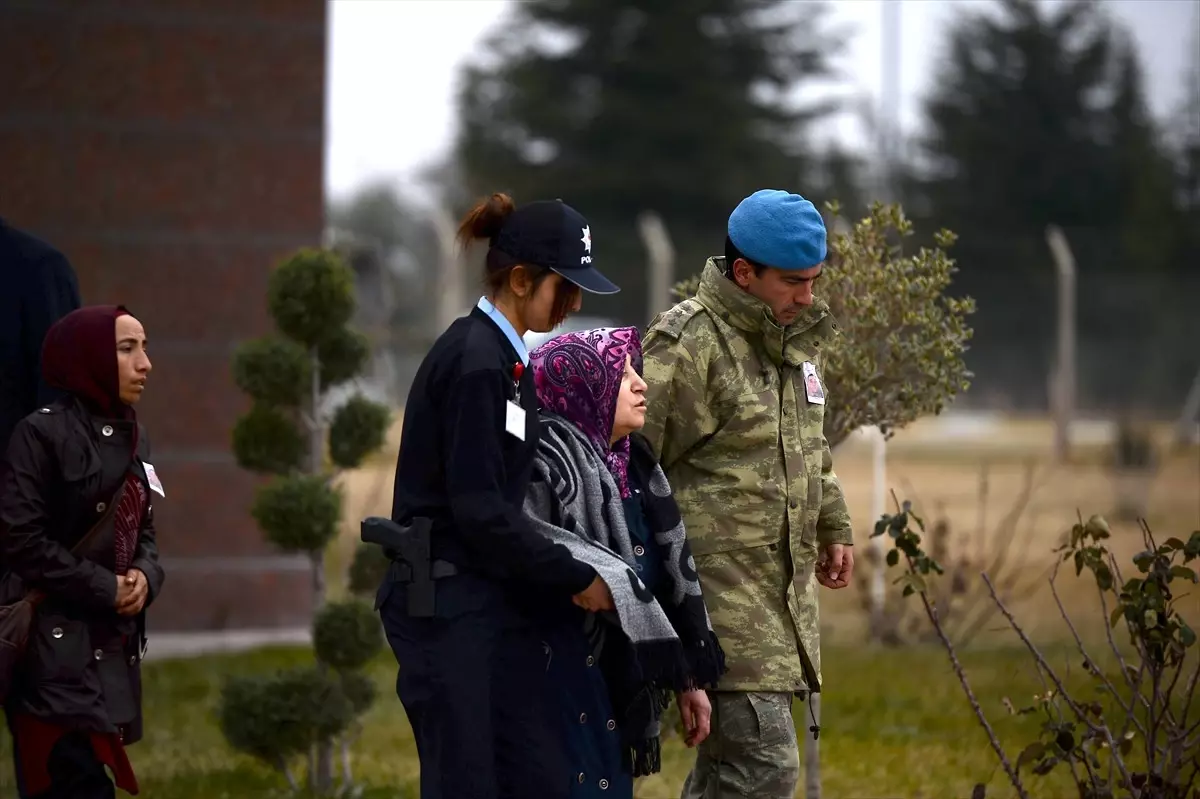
[{"x": 751, "y": 751}]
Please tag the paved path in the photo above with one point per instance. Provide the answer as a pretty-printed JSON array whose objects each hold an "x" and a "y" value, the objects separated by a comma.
[{"x": 163, "y": 646}]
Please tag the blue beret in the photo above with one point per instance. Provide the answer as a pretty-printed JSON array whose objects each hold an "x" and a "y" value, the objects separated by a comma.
[{"x": 779, "y": 229}]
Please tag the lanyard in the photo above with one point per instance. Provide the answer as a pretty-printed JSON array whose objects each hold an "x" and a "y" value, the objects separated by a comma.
[{"x": 517, "y": 371}]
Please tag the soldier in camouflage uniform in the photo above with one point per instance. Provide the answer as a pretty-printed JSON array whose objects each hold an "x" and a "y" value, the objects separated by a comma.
[{"x": 735, "y": 410}]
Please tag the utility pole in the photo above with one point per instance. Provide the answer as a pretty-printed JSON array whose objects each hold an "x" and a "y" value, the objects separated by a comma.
[
  {"x": 889, "y": 98},
  {"x": 889, "y": 145}
]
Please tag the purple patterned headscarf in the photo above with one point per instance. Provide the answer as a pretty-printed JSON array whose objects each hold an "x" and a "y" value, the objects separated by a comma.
[{"x": 578, "y": 376}]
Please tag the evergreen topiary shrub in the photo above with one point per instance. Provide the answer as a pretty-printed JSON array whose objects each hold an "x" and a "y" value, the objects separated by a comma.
[{"x": 285, "y": 435}]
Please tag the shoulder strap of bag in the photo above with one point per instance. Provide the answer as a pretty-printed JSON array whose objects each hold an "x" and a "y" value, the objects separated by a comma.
[
  {"x": 82, "y": 544},
  {"x": 35, "y": 596}
]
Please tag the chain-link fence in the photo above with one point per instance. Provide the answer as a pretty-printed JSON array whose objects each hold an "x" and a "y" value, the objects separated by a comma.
[{"x": 1137, "y": 330}]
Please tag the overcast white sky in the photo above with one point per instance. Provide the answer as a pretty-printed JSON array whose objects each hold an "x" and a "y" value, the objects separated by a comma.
[{"x": 393, "y": 71}]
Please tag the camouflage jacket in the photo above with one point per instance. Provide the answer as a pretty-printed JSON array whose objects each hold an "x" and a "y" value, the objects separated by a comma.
[{"x": 744, "y": 450}]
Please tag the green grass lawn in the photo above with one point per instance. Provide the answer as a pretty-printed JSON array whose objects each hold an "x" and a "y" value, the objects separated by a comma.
[{"x": 895, "y": 724}]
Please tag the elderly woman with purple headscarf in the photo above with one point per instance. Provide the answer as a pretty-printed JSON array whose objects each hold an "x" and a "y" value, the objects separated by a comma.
[{"x": 598, "y": 490}]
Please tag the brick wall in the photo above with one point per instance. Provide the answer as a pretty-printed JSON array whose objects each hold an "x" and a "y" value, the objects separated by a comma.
[{"x": 173, "y": 149}]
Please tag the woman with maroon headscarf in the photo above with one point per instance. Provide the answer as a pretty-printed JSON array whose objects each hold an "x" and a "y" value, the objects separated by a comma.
[{"x": 79, "y": 468}]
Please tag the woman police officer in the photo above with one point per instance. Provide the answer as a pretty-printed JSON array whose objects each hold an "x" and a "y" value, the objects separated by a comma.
[{"x": 472, "y": 673}]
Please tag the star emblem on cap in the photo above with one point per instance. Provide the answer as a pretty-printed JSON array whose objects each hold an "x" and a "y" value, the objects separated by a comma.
[{"x": 587, "y": 238}]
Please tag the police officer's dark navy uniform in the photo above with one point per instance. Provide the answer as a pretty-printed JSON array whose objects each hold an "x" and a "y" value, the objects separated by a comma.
[{"x": 472, "y": 669}]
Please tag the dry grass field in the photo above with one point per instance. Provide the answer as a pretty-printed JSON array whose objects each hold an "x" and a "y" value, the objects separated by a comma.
[{"x": 1029, "y": 503}]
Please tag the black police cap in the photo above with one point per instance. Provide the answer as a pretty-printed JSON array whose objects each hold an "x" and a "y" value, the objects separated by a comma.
[{"x": 552, "y": 234}]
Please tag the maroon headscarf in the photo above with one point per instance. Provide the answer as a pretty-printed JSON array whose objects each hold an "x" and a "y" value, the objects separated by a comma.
[{"x": 79, "y": 356}]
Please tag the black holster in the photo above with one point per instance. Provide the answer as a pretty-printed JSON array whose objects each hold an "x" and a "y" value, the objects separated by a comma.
[{"x": 408, "y": 546}]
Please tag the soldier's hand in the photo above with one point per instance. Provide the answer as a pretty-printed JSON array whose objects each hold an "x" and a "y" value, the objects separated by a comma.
[
  {"x": 596, "y": 597},
  {"x": 835, "y": 566},
  {"x": 696, "y": 714}
]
